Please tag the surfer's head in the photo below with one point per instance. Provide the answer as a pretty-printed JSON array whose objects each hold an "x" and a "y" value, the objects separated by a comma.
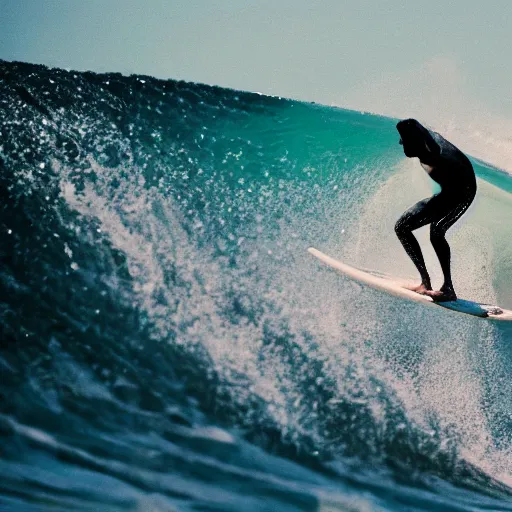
[{"x": 417, "y": 140}]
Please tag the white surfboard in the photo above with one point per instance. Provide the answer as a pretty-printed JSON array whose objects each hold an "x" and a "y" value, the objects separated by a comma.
[{"x": 396, "y": 286}]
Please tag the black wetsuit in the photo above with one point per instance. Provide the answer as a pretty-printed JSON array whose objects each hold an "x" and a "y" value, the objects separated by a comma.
[{"x": 453, "y": 171}]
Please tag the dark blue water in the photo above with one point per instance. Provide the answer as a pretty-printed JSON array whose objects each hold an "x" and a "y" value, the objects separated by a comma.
[{"x": 168, "y": 344}]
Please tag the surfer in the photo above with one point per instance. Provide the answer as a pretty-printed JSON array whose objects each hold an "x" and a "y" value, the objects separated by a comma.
[{"x": 453, "y": 171}]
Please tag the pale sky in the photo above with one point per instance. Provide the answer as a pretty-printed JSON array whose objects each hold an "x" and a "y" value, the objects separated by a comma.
[{"x": 353, "y": 53}]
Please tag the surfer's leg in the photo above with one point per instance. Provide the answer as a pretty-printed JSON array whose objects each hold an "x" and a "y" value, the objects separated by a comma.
[
  {"x": 438, "y": 231},
  {"x": 417, "y": 216},
  {"x": 440, "y": 245}
]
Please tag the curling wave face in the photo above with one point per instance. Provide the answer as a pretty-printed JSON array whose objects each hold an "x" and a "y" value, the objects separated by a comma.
[{"x": 167, "y": 342}]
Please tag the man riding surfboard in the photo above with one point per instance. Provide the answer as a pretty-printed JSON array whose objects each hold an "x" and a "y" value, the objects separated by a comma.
[{"x": 453, "y": 171}]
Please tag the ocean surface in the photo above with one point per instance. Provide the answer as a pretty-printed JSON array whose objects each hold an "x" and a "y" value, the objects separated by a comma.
[{"x": 168, "y": 344}]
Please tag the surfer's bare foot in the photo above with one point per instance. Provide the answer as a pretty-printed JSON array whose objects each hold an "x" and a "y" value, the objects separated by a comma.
[
  {"x": 442, "y": 295},
  {"x": 422, "y": 289}
]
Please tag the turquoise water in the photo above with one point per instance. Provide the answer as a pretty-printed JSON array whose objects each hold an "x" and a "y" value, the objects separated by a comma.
[{"x": 169, "y": 344}]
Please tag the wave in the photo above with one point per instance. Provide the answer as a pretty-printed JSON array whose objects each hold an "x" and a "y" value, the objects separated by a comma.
[{"x": 157, "y": 291}]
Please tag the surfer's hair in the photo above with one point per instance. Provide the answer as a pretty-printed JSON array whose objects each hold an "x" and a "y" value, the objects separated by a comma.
[{"x": 416, "y": 139}]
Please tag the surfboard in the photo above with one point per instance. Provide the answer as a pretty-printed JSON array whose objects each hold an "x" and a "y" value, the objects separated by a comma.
[{"x": 397, "y": 286}]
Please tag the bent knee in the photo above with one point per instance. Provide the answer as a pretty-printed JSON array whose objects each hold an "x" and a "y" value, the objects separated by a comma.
[
  {"x": 437, "y": 234},
  {"x": 401, "y": 228}
]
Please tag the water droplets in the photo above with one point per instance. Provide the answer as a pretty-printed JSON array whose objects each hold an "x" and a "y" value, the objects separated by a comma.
[{"x": 68, "y": 251}]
